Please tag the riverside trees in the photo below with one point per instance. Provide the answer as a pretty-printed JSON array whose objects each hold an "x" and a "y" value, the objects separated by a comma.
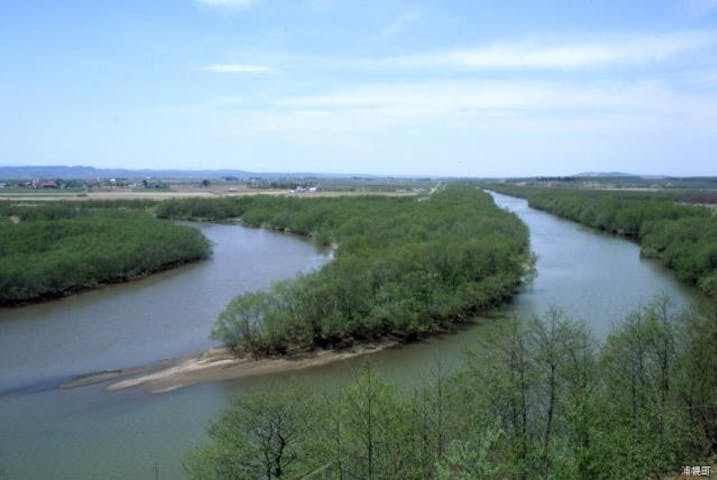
[
  {"x": 52, "y": 250},
  {"x": 261, "y": 436},
  {"x": 536, "y": 399},
  {"x": 403, "y": 267},
  {"x": 683, "y": 237}
]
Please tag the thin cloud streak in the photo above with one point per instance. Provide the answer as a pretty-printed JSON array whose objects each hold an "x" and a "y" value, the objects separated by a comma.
[
  {"x": 238, "y": 4},
  {"x": 439, "y": 96},
  {"x": 527, "y": 106},
  {"x": 236, "y": 68},
  {"x": 633, "y": 50}
]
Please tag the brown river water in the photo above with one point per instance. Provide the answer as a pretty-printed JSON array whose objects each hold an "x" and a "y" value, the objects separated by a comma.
[{"x": 91, "y": 433}]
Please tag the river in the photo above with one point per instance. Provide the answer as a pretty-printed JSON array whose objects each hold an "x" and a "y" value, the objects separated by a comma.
[{"x": 88, "y": 432}]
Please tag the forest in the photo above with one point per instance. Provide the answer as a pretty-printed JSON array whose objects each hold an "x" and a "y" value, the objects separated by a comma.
[
  {"x": 403, "y": 267},
  {"x": 56, "y": 249},
  {"x": 538, "y": 398},
  {"x": 683, "y": 237}
]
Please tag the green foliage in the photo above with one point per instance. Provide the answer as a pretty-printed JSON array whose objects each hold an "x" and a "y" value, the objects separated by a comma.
[
  {"x": 359, "y": 431},
  {"x": 260, "y": 436},
  {"x": 56, "y": 210},
  {"x": 208, "y": 209},
  {"x": 683, "y": 237},
  {"x": 696, "y": 380},
  {"x": 537, "y": 399},
  {"x": 639, "y": 368},
  {"x": 538, "y": 371},
  {"x": 403, "y": 266},
  {"x": 56, "y": 249},
  {"x": 473, "y": 459}
]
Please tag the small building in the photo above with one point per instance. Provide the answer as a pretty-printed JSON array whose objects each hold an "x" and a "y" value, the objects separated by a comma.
[{"x": 45, "y": 184}]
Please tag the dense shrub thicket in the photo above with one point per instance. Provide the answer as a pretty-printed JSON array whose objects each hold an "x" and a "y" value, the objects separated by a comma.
[
  {"x": 683, "y": 237},
  {"x": 65, "y": 209},
  {"x": 537, "y": 399},
  {"x": 403, "y": 266},
  {"x": 51, "y": 250}
]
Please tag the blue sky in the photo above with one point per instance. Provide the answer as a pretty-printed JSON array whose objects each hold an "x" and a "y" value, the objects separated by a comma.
[{"x": 469, "y": 88}]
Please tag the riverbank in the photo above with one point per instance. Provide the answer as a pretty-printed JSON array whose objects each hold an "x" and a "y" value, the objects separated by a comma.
[
  {"x": 56, "y": 251},
  {"x": 217, "y": 364},
  {"x": 78, "y": 289},
  {"x": 92, "y": 432},
  {"x": 682, "y": 237},
  {"x": 404, "y": 267}
]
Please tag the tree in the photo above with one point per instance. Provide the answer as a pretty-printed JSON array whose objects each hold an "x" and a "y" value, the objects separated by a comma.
[
  {"x": 474, "y": 459},
  {"x": 560, "y": 350},
  {"x": 638, "y": 365},
  {"x": 536, "y": 369},
  {"x": 697, "y": 380},
  {"x": 536, "y": 401},
  {"x": 260, "y": 436}
]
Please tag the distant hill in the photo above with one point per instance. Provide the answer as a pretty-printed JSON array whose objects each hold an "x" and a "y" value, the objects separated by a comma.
[
  {"x": 86, "y": 173},
  {"x": 90, "y": 173},
  {"x": 606, "y": 174}
]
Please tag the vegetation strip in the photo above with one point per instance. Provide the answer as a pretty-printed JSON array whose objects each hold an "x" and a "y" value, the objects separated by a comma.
[
  {"x": 683, "y": 237},
  {"x": 53, "y": 250},
  {"x": 404, "y": 267},
  {"x": 537, "y": 399}
]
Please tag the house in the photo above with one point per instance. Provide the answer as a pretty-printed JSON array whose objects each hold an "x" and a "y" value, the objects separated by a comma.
[{"x": 45, "y": 184}]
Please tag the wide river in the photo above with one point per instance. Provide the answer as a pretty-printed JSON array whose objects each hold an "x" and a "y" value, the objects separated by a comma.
[{"x": 91, "y": 433}]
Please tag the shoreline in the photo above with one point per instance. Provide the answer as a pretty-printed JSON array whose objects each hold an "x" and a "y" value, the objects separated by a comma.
[
  {"x": 216, "y": 365},
  {"x": 219, "y": 364},
  {"x": 80, "y": 289}
]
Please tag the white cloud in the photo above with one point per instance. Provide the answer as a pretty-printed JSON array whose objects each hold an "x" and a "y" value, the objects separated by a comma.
[
  {"x": 400, "y": 23},
  {"x": 491, "y": 106},
  {"x": 236, "y": 68},
  {"x": 238, "y": 4},
  {"x": 632, "y": 50},
  {"x": 493, "y": 95}
]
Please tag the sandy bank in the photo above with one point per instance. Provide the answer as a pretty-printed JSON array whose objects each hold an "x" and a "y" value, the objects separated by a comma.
[{"x": 215, "y": 365}]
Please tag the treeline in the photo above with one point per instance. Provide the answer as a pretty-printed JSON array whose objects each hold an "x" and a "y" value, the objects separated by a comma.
[
  {"x": 207, "y": 209},
  {"x": 403, "y": 267},
  {"x": 28, "y": 211},
  {"x": 51, "y": 250},
  {"x": 683, "y": 237},
  {"x": 537, "y": 399}
]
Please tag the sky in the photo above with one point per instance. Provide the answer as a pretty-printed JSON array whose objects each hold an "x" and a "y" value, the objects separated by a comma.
[{"x": 388, "y": 87}]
